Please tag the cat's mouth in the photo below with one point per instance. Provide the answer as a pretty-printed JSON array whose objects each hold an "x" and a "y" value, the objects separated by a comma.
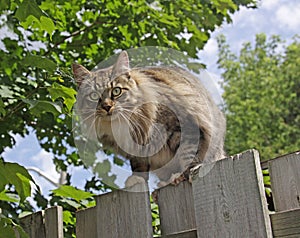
[{"x": 108, "y": 115}]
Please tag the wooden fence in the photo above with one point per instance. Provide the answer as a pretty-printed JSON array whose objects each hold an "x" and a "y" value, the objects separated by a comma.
[{"x": 226, "y": 200}]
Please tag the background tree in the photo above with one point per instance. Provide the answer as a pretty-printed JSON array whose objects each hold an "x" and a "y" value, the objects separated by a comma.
[
  {"x": 262, "y": 95},
  {"x": 36, "y": 88}
]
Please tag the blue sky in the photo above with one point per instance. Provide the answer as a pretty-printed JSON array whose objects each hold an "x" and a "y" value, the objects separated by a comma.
[{"x": 280, "y": 17}]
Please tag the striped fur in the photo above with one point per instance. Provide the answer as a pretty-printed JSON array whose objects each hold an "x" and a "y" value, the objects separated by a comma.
[{"x": 163, "y": 120}]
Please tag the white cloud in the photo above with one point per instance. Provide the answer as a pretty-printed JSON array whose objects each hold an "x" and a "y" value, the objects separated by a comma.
[
  {"x": 79, "y": 175},
  {"x": 211, "y": 47},
  {"x": 209, "y": 53},
  {"x": 269, "y": 4},
  {"x": 5, "y": 32},
  {"x": 288, "y": 16},
  {"x": 211, "y": 82},
  {"x": 45, "y": 161}
]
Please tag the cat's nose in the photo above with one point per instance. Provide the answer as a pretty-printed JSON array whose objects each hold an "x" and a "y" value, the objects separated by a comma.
[
  {"x": 106, "y": 107},
  {"x": 107, "y": 104}
]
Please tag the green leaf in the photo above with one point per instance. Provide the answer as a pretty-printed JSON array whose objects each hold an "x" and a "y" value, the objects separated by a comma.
[
  {"x": 68, "y": 217},
  {"x": 9, "y": 229},
  {"x": 118, "y": 161},
  {"x": 3, "y": 180},
  {"x": 30, "y": 21},
  {"x": 24, "y": 185},
  {"x": 25, "y": 213},
  {"x": 2, "y": 108},
  {"x": 6, "y": 92},
  {"x": 47, "y": 25},
  {"x": 4, "y": 5},
  {"x": 9, "y": 197},
  {"x": 39, "y": 62},
  {"x": 27, "y": 8},
  {"x": 38, "y": 107},
  {"x": 71, "y": 202},
  {"x": 18, "y": 176},
  {"x": 71, "y": 192},
  {"x": 67, "y": 94}
]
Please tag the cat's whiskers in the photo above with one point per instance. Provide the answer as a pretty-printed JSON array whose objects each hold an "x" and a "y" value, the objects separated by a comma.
[
  {"x": 132, "y": 119},
  {"x": 89, "y": 126},
  {"x": 83, "y": 120},
  {"x": 151, "y": 125},
  {"x": 133, "y": 132}
]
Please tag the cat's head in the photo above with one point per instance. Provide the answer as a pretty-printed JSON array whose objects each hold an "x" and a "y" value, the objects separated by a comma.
[
  {"x": 108, "y": 91},
  {"x": 116, "y": 101}
]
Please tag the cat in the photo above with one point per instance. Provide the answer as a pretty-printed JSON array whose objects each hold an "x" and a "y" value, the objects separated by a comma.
[{"x": 160, "y": 118}]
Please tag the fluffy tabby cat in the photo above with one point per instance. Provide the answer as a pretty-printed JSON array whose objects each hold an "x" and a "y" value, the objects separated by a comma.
[{"x": 160, "y": 118}]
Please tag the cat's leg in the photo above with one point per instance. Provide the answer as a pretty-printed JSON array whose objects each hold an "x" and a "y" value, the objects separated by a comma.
[{"x": 187, "y": 157}]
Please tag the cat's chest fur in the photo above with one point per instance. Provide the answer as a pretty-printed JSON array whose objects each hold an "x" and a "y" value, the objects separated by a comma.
[{"x": 162, "y": 139}]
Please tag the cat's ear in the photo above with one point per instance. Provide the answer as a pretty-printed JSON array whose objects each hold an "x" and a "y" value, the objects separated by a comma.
[
  {"x": 80, "y": 73},
  {"x": 122, "y": 64}
]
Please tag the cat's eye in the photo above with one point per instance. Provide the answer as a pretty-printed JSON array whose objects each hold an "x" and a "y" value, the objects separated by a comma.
[
  {"x": 116, "y": 91},
  {"x": 94, "y": 96}
]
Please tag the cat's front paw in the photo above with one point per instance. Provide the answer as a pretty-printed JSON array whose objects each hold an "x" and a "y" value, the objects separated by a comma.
[
  {"x": 133, "y": 180},
  {"x": 177, "y": 178}
]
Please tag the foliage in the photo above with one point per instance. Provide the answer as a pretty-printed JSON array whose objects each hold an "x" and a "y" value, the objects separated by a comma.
[
  {"x": 71, "y": 199},
  {"x": 14, "y": 188},
  {"x": 155, "y": 218},
  {"x": 44, "y": 37},
  {"x": 262, "y": 96}
]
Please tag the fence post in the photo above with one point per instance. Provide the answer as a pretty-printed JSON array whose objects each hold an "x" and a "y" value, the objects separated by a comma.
[
  {"x": 124, "y": 214},
  {"x": 86, "y": 223},
  {"x": 53, "y": 218},
  {"x": 285, "y": 181},
  {"x": 230, "y": 200},
  {"x": 33, "y": 225},
  {"x": 176, "y": 210},
  {"x": 48, "y": 224}
]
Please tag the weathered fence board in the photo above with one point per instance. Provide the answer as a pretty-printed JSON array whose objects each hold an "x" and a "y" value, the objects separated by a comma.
[
  {"x": 86, "y": 223},
  {"x": 53, "y": 220},
  {"x": 183, "y": 234},
  {"x": 124, "y": 214},
  {"x": 176, "y": 208},
  {"x": 226, "y": 199},
  {"x": 285, "y": 181},
  {"x": 286, "y": 224},
  {"x": 48, "y": 224},
  {"x": 33, "y": 225},
  {"x": 229, "y": 200}
]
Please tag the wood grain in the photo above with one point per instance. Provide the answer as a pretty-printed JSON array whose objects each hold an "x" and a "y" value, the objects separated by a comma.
[
  {"x": 285, "y": 181},
  {"x": 184, "y": 234},
  {"x": 176, "y": 208},
  {"x": 286, "y": 224},
  {"x": 124, "y": 214},
  {"x": 53, "y": 219},
  {"x": 229, "y": 198},
  {"x": 33, "y": 225},
  {"x": 44, "y": 224},
  {"x": 86, "y": 223}
]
